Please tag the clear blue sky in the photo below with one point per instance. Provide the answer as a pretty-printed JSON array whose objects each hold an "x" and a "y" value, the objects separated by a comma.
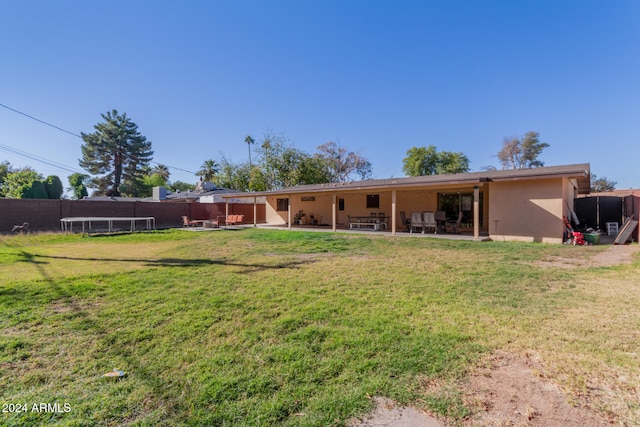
[{"x": 379, "y": 77}]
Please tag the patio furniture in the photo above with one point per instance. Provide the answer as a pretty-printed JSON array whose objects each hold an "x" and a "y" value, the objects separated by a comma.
[
  {"x": 374, "y": 222},
  {"x": 441, "y": 220},
  {"x": 215, "y": 223},
  {"x": 455, "y": 225},
  {"x": 429, "y": 221},
  {"x": 234, "y": 220},
  {"x": 186, "y": 222},
  {"x": 416, "y": 222},
  {"x": 405, "y": 221}
]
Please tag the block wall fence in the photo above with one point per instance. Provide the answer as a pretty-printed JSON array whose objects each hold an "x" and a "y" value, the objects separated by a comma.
[{"x": 45, "y": 215}]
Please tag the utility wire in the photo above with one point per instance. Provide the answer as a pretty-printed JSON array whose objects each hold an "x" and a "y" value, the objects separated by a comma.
[
  {"x": 34, "y": 157},
  {"x": 41, "y": 121},
  {"x": 29, "y": 156}
]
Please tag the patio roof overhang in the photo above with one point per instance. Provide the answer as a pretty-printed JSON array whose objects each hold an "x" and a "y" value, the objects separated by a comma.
[{"x": 579, "y": 172}]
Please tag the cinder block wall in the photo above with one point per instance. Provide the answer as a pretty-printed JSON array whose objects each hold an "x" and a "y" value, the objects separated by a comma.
[{"x": 45, "y": 215}]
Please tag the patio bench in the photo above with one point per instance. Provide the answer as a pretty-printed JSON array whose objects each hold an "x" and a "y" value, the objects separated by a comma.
[
  {"x": 234, "y": 220},
  {"x": 374, "y": 223}
]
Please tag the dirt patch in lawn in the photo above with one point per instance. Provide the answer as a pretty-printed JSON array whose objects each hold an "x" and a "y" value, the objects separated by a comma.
[
  {"x": 614, "y": 255},
  {"x": 510, "y": 390}
]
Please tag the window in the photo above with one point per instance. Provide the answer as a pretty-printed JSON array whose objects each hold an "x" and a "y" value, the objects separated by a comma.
[
  {"x": 373, "y": 201},
  {"x": 282, "y": 205},
  {"x": 340, "y": 204}
]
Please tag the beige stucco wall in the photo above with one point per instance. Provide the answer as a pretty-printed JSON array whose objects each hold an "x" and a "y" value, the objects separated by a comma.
[
  {"x": 272, "y": 216},
  {"x": 527, "y": 210}
]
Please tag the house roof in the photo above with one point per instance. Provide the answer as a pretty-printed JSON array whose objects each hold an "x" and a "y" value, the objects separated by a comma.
[
  {"x": 580, "y": 172},
  {"x": 617, "y": 193},
  {"x": 196, "y": 194}
]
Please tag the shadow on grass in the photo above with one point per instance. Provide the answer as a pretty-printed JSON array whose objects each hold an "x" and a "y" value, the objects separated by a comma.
[
  {"x": 176, "y": 262},
  {"x": 38, "y": 301}
]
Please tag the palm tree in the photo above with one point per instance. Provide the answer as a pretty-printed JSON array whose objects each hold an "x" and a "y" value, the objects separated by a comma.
[
  {"x": 208, "y": 170},
  {"x": 249, "y": 142},
  {"x": 162, "y": 171}
]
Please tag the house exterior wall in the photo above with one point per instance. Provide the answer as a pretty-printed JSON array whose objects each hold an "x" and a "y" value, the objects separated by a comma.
[
  {"x": 528, "y": 211},
  {"x": 319, "y": 207},
  {"x": 273, "y": 216}
]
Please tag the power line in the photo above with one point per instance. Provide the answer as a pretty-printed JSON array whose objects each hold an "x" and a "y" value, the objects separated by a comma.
[
  {"x": 34, "y": 157},
  {"x": 41, "y": 121},
  {"x": 30, "y": 156},
  {"x": 173, "y": 167}
]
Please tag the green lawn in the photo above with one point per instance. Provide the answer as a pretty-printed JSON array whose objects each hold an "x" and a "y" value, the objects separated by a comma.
[{"x": 261, "y": 327}]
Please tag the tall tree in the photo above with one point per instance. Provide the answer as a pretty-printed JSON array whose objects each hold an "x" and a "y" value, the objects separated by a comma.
[
  {"x": 235, "y": 176},
  {"x": 178, "y": 186},
  {"x": 5, "y": 169},
  {"x": 522, "y": 153},
  {"x": 422, "y": 161},
  {"x": 601, "y": 185},
  {"x": 250, "y": 141},
  {"x": 283, "y": 165},
  {"x": 117, "y": 153},
  {"x": 54, "y": 187},
  {"x": 77, "y": 184},
  {"x": 162, "y": 171},
  {"x": 25, "y": 183},
  {"x": 343, "y": 164},
  {"x": 208, "y": 170}
]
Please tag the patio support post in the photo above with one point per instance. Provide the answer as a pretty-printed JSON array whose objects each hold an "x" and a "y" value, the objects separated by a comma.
[
  {"x": 255, "y": 211},
  {"x": 334, "y": 219},
  {"x": 226, "y": 209},
  {"x": 393, "y": 211},
  {"x": 476, "y": 212},
  {"x": 289, "y": 211}
]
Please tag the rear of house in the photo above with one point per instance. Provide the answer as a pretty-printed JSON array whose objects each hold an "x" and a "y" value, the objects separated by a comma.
[{"x": 517, "y": 205}]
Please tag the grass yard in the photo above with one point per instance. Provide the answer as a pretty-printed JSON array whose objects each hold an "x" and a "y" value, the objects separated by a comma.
[{"x": 262, "y": 327}]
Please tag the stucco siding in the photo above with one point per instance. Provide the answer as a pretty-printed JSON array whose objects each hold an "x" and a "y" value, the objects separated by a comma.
[
  {"x": 527, "y": 210},
  {"x": 272, "y": 215}
]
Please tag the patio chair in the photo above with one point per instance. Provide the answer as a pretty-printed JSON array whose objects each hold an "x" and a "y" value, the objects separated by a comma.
[
  {"x": 441, "y": 220},
  {"x": 454, "y": 226},
  {"x": 405, "y": 221},
  {"x": 186, "y": 222},
  {"x": 429, "y": 221},
  {"x": 416, "y": 222}
]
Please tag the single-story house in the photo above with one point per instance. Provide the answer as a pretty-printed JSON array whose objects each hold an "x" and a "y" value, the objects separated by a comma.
[{"x": 519, "y": 205}]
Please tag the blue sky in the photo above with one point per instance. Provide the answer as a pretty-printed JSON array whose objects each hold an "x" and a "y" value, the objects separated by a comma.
[{"x": 378, "y": 77}]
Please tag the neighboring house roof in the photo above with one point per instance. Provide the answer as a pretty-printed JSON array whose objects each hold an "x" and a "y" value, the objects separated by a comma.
[
  {"x": 196, "y": 194},
  {"x": 617, "y": 193},
  {"x": 182, "y": 195},
  {"x": 113, "y": 199},
  {"x": 580, "y": 172}
]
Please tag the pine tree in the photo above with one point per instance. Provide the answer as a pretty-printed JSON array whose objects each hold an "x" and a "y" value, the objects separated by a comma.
[{"x": 116, "y": 154}]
